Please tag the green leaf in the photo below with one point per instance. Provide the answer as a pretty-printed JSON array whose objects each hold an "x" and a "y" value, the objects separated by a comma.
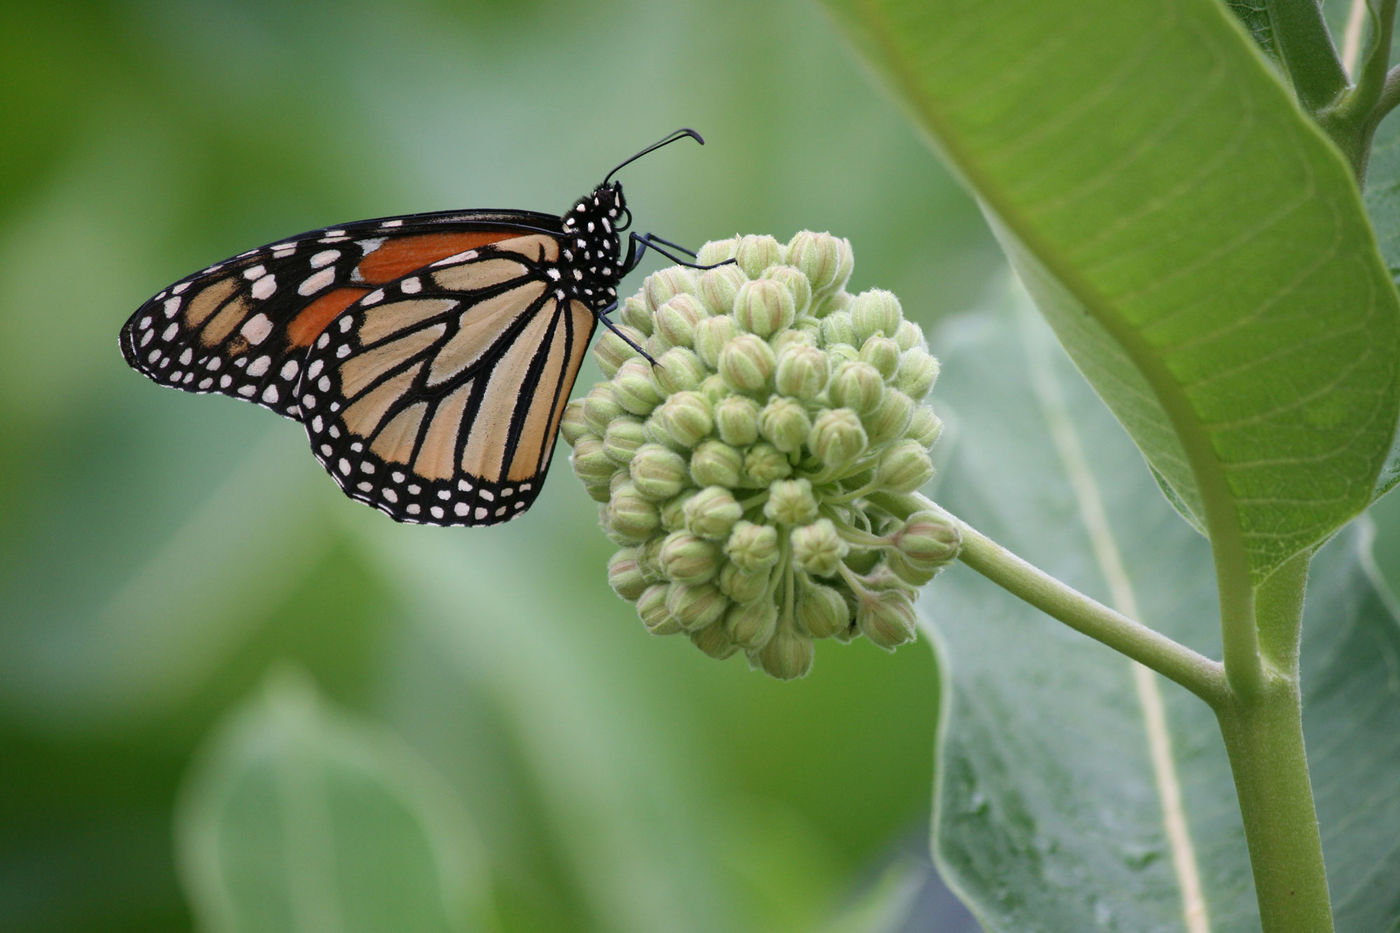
[
  {"x": 1198, "y": 246},
  {"x": 299, "y": 819},
  {"x": 1075, "y": 791}
]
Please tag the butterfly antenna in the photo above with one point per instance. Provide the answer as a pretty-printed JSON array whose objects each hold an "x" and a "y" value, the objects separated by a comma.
[{"x": 678, "y": 134}]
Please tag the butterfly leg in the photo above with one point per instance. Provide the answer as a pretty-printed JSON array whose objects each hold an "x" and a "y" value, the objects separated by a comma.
[
  {"x": 607, "y": 322},
  {"x": 653, "y": 242}
]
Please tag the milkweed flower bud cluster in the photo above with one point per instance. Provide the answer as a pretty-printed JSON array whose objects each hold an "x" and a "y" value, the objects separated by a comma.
[{"x": 758, "y": 477}]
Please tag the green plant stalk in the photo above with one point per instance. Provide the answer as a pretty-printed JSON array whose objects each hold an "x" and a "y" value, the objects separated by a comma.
[
  {"x": 1152, "y": 649},
  {"x": 1264, "y": 741},
  {"x": 1263, "y": 734},
  {"x": 1305, "y": 48},
  {"x": 1262, "y": 726}
]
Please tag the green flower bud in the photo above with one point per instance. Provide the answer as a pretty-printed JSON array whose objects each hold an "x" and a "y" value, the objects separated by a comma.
[
  {"x": 890, "y": 419},
  {"x": 929, "y": 540},
  {"x": 786, "y": 656},
  {"x": 736, "y": 420},
  {"x": 747, "y": 363},
  {"x": 673, "y": 511},
  {"x": 712, "y": 335},
  {"x": 904, "y": 467},
  {"x": 717, "y": 251},
  {"x": 918, "y": 370},
  {"x": 820, "y": 611},
  {"x": 658, "y": 473},
  {"x": 715, "y": 389},
  {"x": 886, "y": 618},
  {"x": 752, "y": 547},
  {"x": 634, "y": 388},
  {"x": 600, "y": 408},
  {"x": 836, "y": 328},
  {"x": 924, "y": 425},
  {"x": 818, "y": 548},
  {"x": 625, "y": 576},
  {"x": 715, "y": 463},
  {"x": 743, "y": 586},
  {"x": 591, "y": 464},
  {"x": 793, "y": 337},
  {"x": 635, "y": 314},
  {"x": 572, "y": 424},
  {"x": 825, "y": 260},
  {"x": 876, "y": 312},
  {"x": 750, "y": 625},
  {"x": 685, "y": 417},
  {"x": 718, "y": 287},
  {"x": 784, "y": 423},
  {"x": 695, "y": 605},
  {"x": 764, "y": 307},
  {"x": 630, "y": 515},
  {"x": 837, "y": 437},
  {"x": 611, "y": 351},
  {"x": 910, "y": 335},
  {"x": 790, "y": 502},
  {"x": 882, "y": 353},
  {"x": 753, "y": 254},
  {"x": 621, "y": 440},
  {"x": 649, "y": 560},
  {"x": 802, "y": 372},
  {"x": 688, "y": 559},
  {"x": 651, "y": 606},
  {"x": 857, "y": 386},
  {"x": 712, "y": 513},
  {"x": 676, "y": 319},
  {"x": 714, "y": 641},
  {"x": 678, "y": 369},
  {"x": 791, "y": 278},
  {"x": 664, "y": 284},
  {"x": 764, "y": 463}
]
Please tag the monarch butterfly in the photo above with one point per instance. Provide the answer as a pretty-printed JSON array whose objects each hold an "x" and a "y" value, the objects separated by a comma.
[{"x": 428, "y": 356}]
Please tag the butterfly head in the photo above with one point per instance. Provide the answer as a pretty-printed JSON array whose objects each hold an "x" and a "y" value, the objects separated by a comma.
[{"x": 593, "y": 242}]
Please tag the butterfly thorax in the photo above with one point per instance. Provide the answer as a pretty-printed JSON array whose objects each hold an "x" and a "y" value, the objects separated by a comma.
[{"x": 592, "y": 245}]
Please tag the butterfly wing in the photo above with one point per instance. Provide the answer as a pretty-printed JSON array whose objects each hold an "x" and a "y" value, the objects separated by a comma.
[
  {"x": 243, "y": 327},
  {"x": 436, "y": 397}
]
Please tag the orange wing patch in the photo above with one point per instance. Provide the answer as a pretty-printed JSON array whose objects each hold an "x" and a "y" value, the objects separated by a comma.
[
  {"x": 398, "y": 257},
  {"x": 313, "y": 318}
]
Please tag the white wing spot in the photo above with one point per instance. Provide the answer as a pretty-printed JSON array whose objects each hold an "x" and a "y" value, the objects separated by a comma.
[
  {"x": 314, "y": 283},
  {"x": 254, "y": 272},
  {"x": 270, "y": 395},
  {"x": 260, "y": 366},
  {"x": 289, "y": 370},
  {"x": 257, "y": 327},
  {"x": 264, "y": 287},
  {"x": 411, "y": 286},
  {"x": 171, "y": 306},
  {"x": 461, "y": 508},
  {"x": 324, "y": 258}
]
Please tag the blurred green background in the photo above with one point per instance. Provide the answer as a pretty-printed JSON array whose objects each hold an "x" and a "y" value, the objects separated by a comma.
[{"x": 162, "y": 553}]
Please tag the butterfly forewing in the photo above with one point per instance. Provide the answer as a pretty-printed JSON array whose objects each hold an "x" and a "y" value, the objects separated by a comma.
[
  {"x": 242, "y": 327},
  {"x": 437, "y": 396}
]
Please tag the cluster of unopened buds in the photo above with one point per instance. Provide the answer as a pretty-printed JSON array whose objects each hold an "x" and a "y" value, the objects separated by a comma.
[{"x": 760, "y": 476}]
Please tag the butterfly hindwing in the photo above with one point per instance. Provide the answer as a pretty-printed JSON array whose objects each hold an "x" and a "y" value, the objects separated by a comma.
[{"x": 436, "y": 397}]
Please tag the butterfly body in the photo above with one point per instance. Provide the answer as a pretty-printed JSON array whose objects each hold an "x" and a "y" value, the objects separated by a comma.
[{"x": 428, "y": 356}]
